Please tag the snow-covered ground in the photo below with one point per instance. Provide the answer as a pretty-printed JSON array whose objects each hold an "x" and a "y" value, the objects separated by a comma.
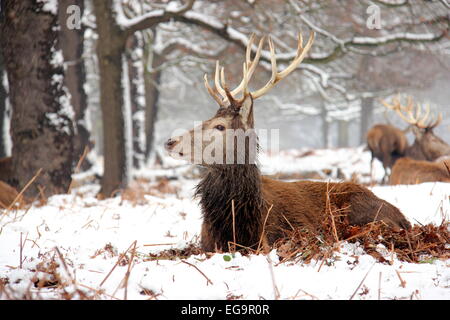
[{"x": 91, "y": 234}]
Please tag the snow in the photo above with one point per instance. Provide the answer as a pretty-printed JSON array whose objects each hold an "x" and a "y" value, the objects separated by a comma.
[
  {"x": 81, "y": 227},
  {"x": 50, "y": 6}
]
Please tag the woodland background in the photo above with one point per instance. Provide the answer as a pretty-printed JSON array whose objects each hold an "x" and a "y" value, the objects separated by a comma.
[{"x": 117, "y": 81}]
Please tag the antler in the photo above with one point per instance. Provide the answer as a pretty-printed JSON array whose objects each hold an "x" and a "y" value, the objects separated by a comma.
[
  {"x": 413, "y": 115},
  {"x": 249, "y": 66}
]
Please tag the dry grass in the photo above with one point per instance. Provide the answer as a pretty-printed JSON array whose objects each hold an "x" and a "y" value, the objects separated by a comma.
[
  {"x": 174, "y": 254},
  {"x": 418, "y": 245}
]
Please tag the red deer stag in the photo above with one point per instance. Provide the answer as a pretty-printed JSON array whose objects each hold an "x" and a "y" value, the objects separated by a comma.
[
  {"x": 241, "y": 206},
  {"x": 427, "y": 146},
  {"x": 386, "y": 143}
]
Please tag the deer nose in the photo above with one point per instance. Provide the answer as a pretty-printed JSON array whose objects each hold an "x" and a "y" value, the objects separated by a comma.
[{"x": 169, "y": 144}]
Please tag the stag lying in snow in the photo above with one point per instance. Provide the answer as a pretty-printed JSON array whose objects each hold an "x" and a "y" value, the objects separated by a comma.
[
  {"x": 241, "y": 206},
  {"x": 387, "y": 144},
  {"x": 409, "y": 171},
  {"x": 427, "y": 146}
]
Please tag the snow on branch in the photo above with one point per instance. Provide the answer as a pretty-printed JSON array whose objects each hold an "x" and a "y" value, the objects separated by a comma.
[
  {"x": 149, "y": 19},
  {"x": 403, "y": 36}
]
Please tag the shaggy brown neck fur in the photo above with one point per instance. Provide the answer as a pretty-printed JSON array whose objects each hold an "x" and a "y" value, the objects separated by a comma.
[{"x": 220, "y": 185}]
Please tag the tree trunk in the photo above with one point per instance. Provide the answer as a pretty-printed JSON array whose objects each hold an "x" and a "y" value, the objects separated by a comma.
[
  {"x": 342, "y": 133},
  {"x": 325, "y": 126},
  {"x": 3, "y": 97},
  {"x": 110, "y": 52},
  {"x": 42, "y": 129},
  {"x": 366, "y": 118},
  {"x": 152, "y": 81},
  {"x": 71, "y": 42},
  {"x": 137, "y": 99}
]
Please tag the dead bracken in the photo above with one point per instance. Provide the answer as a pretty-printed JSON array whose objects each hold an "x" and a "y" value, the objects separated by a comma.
[{"x": 420, "y": 244}]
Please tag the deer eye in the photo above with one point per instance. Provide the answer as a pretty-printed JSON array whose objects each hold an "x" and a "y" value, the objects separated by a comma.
[{"x": 219, "y": 127}]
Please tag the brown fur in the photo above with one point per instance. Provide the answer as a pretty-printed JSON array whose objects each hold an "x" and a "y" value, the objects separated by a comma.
[
  {"x": 5, "y": 169},
  {"x": 386, "y": 143},
  {"x": 410, "y": 171},
  {"x": 7, "y": 195},
  {"x": 301, "y": 204}
]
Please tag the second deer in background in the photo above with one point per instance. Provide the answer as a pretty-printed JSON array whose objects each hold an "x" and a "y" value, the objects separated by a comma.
[{"x": 418, "y": 165}]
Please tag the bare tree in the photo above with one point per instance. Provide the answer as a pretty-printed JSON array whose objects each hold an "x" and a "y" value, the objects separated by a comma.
[
  {"x": 42, "y": 130},
  {"x": 71, "y": 37},
  {"x": 3, "y": 97}
]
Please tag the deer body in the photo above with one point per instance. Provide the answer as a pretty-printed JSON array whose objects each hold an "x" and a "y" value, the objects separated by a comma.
[
  {"x": 252, "y": 199},
  {"x": 417, "y": 166},
  {"x": 386, "y": 143},
  {"x": 238, "y": 204},
  {"x": 410, "y": 171},
  {"x": 7, "y": 195}
]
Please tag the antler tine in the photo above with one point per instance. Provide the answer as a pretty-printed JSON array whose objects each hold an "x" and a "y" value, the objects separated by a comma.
[
  {"x": 399, "y": 109},
  {"x": 301, "y": 53},
  {"x": 277, "y": 76},
  {"x": 211, "y": 91},
  {"x": 437, "y": 122},
  {"x": 251, "y": 65},
  {"x": 217, "y": 82},
  {"x": 414, "y": 113}
]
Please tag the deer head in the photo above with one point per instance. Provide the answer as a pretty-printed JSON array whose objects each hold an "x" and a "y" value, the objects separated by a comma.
[
  {"x": 422, "y": 127},
  {"x": 229, "y": 136}
]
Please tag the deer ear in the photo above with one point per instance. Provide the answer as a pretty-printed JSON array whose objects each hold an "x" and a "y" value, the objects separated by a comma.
[{"x": 246, "y": 110}]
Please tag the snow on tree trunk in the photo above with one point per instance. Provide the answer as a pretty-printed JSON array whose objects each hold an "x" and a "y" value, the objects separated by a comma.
[
  {"x": 137, "y": 98},
  {"x": 4, "y": 119},
  {"x": 152, "y": 81},
  {"x": 71, "y": 37},
  {"x": 110, "y": 52},
  {"x": 41, "y": 122}
]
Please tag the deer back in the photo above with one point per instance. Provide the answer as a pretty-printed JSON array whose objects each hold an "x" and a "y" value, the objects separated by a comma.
[{"x": 410, "y": 171}]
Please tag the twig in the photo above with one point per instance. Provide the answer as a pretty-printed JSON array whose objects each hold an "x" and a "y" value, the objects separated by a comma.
[
  {"x": 362, "y": 281},
  {"x": 117, "y": 262},
  {"x": 263, "y": 230},
  {"x": 21, "y": 192},
  {"x": 409, "y": 245},
  {"x": 402, "y": 282},
  {"x": 71, "y": 278},
  {"x": 333, "y": 224},
  {"x": 208, "y": 281},
  {"x": 234, "y": 225},
  {"x": 77, "y": 168},
  {"x": 158, "y": 244},
  {"x": 306, "y": 293},
  {"x": 63, "y": 261},
  {"x": 127, "y": 274},
  {"x": 276, "y": 292}
]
